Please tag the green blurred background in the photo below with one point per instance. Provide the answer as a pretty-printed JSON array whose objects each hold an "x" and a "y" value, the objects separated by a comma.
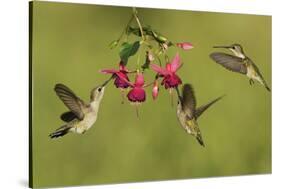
[{"x": 70, "y": 45}]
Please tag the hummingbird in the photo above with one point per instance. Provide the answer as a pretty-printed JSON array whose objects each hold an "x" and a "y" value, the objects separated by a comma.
[
  {"x": 188, "y": 113},
  {"x": 240, "y": 63},
  {"x": 81, "y": 116}
]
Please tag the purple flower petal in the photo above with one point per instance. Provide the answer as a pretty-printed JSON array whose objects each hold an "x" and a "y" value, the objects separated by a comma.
[
  {"x": 120, "y": 82},
  {"x": 137, "y": 94},
  {"x": 171, "y": 81}
]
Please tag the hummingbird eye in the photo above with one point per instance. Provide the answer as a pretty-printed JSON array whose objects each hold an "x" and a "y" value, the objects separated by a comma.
[{"x": 99, "y": 89}]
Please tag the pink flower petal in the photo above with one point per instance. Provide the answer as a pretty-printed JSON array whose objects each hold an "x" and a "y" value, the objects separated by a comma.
[
  {"x": 175, "y": 64},
  {"x": 109, "y": 71},
  {"x": 123, "y": 67},
  {"x": 139, "y": 81},
  {"x": 185, "y": 45},
  {"x": 158, "y": 69},
  {"x": 168, "y": 67}
]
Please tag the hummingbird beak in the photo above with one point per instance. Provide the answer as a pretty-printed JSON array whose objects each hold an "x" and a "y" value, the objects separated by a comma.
[
  {"x": 226, "y": 47},
  {"x": 179, "y": 95},
  {"x": 107, "y": 81}
]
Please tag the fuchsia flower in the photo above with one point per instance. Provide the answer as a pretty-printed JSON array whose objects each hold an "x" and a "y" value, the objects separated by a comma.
[
  {"x": 185, "y": 45},
  {"x": 155, "y": 90},
  {"x": 137, "y": 93},
  {"x": 120, "y": 76},
  {"x": 170, "y": 78}
]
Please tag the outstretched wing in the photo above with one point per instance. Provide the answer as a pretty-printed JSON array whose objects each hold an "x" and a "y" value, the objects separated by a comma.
[
  {"x": 230, "y": 62},
  {"x": 201, "y": 109},
  {"x": 68, "y": 97},
  {"x": 188, "y": 100}
]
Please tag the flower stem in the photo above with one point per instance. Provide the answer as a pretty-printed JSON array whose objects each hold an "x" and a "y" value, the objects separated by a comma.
[
  {"x": 138, "y": 21},
  {"x": 137, "y": 110},
  {"x": 166, "y": 58},
  {"x": 149, "y": 84},
  {"x": 122, "y": 96},
  {"x": 125, "y": 29},
  {"x": 138, "y": 62},
  {"x": 172, "y": 97},
  {"x": 159, "y": 60},
  {"x": 130, "y": 72}
]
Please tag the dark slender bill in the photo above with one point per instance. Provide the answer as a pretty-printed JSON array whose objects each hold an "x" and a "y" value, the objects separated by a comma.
[
  {"x": 178, "y": 93},
  {"x": 107, "y": 81},
  {"x": 221, "y": 46}
]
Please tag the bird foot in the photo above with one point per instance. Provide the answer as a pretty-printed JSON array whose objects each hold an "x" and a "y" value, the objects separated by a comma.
[{"x": 251, "y": 82}]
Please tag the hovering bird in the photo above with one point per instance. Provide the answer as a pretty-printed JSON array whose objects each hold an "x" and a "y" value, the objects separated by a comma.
[
  {"x": 188, "y": 114},
  {"x": 240, "y": 63},
  {"x": 81, "y": 116}
]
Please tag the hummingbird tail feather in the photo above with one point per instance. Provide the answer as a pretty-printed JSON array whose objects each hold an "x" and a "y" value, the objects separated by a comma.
[
  {"x": 263, "y": 82},
  {"x": 267, "y": 87},
  {"x": 200, "y": 140},
  {"x": 60, "y": 132}
]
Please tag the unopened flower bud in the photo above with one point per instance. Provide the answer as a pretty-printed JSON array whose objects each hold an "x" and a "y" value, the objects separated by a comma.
[
  {"x": 185, "y": 45},
  {"x": 155, "y": 90}
]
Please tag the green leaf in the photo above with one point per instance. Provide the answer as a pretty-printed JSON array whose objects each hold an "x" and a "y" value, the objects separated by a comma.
[{"x": 128, "y": 49}]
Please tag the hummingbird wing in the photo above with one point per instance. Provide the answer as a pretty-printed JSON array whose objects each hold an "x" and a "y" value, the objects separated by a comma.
[
  {"x": 202, "y": 108},
  {"x": 230, "y": 62},
  {"x": 68, "y": 116},
  {"x": 74, "y": 103},
  {"x": 188, "y": 101}
]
